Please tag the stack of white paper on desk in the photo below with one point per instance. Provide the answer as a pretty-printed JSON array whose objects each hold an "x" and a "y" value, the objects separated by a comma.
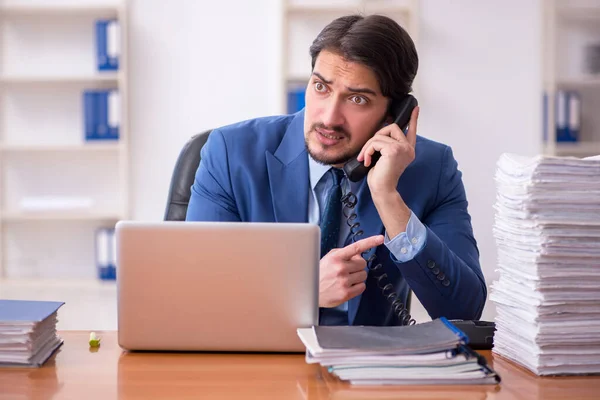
[
  {"x": 547, "y": 232},
  {"x": 428, "y": 353},
  {"x": 28, "y": 332}
]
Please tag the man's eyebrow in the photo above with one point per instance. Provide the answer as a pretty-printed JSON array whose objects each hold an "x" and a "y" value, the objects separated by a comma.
[
  {"x": 363, "y": 90},
  {"x": 354, "y": 90},
  {"x": 318, "y": 75}
]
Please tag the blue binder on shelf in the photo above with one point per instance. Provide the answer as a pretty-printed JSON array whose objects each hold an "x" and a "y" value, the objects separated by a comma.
[
  {"x": 574, "y": 104},
  {"x": 295, "y": 99},
  {"x": 106, "y": 254},
  {"x": 568, "y": 116},
  {"x": 102, "y": 115},
  {"x": 89, "y": 116},
  {"x": 107, "y": 44},
  {"x": 101, "y": 109}
]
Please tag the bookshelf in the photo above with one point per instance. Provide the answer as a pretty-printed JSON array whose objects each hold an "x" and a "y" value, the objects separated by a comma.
[
  {"x": 110, "y": 78},
  {"x": 47, "y": 60},
  {"x": 569, "y": 28},
  {"x": 304, "y": 19}
]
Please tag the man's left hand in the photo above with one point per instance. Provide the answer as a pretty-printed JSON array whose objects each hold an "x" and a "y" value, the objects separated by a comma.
[{"x": 397, "y": 152}]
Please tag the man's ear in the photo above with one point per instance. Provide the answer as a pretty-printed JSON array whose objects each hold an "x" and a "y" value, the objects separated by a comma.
[{"x": 388, "y": 118}]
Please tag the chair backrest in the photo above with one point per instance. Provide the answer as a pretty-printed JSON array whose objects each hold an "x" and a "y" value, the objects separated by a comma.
[{"x": 183, "y": 178}]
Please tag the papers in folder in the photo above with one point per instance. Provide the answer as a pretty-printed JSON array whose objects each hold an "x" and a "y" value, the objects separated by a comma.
[
  {"x": 428, "y": 353},
  {"x": 547, "y": 231},
  {"x": 28, "y": 332}
]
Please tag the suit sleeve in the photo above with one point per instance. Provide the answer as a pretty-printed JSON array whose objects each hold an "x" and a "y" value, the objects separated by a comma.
[
  {"x": 445, "y": 275},
  {"x": 212, "y": 194}
]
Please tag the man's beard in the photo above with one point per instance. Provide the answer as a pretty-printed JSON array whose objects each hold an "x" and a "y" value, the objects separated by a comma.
[{"x": 331, "y": 160}]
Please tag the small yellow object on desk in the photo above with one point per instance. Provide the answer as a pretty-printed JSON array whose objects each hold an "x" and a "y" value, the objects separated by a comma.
[{"x": 94, "y": 340}]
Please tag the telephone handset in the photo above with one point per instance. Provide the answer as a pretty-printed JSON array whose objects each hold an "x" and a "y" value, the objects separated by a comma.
[
  {"x": 355, "y": 171},
  {"x": 401, "y": 112}
]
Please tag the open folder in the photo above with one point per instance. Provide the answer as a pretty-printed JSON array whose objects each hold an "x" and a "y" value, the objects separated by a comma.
[{"x": 433, "y": 352}]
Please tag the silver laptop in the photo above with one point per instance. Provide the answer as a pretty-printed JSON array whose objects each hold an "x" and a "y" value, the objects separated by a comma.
[{"x": 216, "y": 286}]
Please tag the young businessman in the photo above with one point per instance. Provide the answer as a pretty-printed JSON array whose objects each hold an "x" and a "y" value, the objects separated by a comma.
[{"x": 412, "y": 205}]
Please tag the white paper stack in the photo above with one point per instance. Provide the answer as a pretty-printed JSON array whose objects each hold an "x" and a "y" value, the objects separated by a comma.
[
  {"x": 28, "y": 334},
  {"x": 422, "y": 354},
  {"x": 547, "y": 231}
]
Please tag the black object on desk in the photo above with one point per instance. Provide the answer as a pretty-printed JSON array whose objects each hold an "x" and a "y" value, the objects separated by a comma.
[{"x": 480, "y": 333}]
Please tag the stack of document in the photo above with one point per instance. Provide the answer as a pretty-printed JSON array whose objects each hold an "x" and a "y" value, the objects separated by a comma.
[
  {"x": 429, "y": 353},
  {"x": 28, "y": 332},
  {"x": 547, "y": 231}
]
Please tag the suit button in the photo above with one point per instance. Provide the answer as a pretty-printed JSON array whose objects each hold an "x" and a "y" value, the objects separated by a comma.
[
  {"x": 435, "y": 271},
  {"x": 430, "y": 264},
  {"x": 441, "y": 276},
  {"x": 446, "y": 283}
]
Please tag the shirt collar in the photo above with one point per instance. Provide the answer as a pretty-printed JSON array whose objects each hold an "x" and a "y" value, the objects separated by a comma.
[{"x": 316, "y": 171}]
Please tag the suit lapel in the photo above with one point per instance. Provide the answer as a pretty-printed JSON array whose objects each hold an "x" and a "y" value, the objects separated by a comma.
[
  {"x": 371, "y": 225},
  {"x": 289, "y": 175}
]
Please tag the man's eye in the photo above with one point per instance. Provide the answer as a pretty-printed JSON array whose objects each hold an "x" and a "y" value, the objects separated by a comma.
[
  {"x": 319, "y": 87},
  {"x": 358, "y": 100}
]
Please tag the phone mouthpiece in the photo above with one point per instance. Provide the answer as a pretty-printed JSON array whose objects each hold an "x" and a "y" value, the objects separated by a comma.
[{"x": 355, "y": 170}]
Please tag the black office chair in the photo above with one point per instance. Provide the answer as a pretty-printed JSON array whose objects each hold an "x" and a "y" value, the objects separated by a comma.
[{"x": 183, "y": 177}]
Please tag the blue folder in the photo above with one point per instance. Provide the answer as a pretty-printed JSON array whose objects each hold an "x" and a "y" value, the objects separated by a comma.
[
  {"x": 106, "y": 61},
  {"x": 106, "y": 254},
  {"x": 97, "y": 115},
  {"x": 27, "y": 310},
  {"x": 295, "y": 99}
]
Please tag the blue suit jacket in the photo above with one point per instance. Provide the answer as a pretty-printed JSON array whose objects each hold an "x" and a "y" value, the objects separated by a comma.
[{"x": 257, "y": 171}]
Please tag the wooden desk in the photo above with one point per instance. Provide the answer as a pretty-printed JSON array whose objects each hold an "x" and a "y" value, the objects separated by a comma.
[{"x": 78, "y": 372}]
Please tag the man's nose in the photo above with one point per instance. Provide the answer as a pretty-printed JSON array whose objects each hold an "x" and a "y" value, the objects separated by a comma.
[{"x": 332, "y": 114}]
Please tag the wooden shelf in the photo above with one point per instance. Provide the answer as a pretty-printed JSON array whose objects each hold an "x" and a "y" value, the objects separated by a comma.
[
  {"x": 574, "y": 13},
  {"x": 316, "y": 9},
  {"x": 347, "y": 9},
  {"x": 108, "y": 77},
  {"x": 576, "y": 149},
  {"x": 579, "y": 82},
  {"x": 50, "y": 148},
  {"x": 59, "y": 10},
  {"x": 75, "y": 215},
  {"x": 297, "y": 79}
]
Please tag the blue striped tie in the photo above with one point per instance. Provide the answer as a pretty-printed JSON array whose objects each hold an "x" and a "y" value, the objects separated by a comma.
[{"x": 331, "y": 217}]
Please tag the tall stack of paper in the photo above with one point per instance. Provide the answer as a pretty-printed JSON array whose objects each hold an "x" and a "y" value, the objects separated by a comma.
[
  {"x": 547, "y": 231},
  {"x": 429, "y": 353},
  {"x": 28, "y": 332}
]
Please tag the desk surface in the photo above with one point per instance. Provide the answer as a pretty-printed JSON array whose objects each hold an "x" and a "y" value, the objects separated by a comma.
[{"x": 79, "y": 372}]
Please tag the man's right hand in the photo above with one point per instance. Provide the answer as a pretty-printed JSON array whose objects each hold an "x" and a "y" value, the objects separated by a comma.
[{"x": 342, "y": 272}]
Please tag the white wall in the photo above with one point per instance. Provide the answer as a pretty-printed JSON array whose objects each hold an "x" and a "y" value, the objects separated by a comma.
[
  {"x": 197, "y": 65},
  {"x": 194, "y": 65},
  {"x": 480, "y": 84}
]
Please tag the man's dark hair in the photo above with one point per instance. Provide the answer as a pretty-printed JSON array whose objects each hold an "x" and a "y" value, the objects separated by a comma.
[{"x": 377, "y": 42}]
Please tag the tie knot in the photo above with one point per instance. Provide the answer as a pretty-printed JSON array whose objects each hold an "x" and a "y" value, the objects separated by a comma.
[{"x": 338, "y": 174}]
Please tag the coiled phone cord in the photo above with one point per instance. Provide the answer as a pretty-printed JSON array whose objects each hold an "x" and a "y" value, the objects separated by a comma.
[{"x": 349, "y": 202}]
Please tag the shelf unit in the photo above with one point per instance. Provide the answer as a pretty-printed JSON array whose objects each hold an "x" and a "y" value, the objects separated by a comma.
[
  {"x": 567, "y": 28},
  {"x": 304, "y": 19},
  {"x": 43, "y": 151},
  {"x": 109, "y": 77},
  {"x": 59, "y": 216},
  {"x": 40, "y": 148}
]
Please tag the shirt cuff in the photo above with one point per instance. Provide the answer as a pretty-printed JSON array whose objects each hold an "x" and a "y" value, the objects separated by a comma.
[{"x": 406, "y": 245}]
